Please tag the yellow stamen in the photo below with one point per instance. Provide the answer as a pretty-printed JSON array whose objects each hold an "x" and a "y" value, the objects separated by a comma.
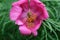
[{"x": 31, "y": 18}]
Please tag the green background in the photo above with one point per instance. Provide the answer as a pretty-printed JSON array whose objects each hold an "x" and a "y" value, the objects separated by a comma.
[{"x": 49, "y": 30}]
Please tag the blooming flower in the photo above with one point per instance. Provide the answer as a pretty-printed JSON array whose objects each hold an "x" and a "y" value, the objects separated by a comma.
[{"x": 28, "y": 14}]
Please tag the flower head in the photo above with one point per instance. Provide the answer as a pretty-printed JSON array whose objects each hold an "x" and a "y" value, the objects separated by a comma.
[{"x": 28, "y": 14}]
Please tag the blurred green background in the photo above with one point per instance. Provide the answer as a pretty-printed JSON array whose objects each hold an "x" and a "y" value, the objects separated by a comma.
[{"x": 50, "y": 29}]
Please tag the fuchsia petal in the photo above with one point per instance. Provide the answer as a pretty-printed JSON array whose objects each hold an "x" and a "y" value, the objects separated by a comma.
[
  {"x": 19, "y": 22},
  {"x": 22, "y": 0},
  {"x": 45, "y": 15},
  {"x": 15, "y": 12},
  {"x": 34, "y": 33},
  {"x": 24, "y": 30},
  {"x": 38, "y": 26},
  {"x": 44, "y": 11},
  {"x": 34, "y": 30},
  {"x": 40, "y": 7}
]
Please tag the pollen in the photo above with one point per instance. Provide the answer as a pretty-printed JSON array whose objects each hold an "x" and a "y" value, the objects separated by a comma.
[{"x": 31, "y": 19}]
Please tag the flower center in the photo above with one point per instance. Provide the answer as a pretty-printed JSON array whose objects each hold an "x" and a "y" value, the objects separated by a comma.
[{"x": 31, "y": 19}]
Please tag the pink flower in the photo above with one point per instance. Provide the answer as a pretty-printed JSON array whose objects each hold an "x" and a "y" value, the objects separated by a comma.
[{"x": 28, "y": 14}]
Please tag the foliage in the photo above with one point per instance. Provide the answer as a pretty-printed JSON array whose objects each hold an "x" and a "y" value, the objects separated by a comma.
[{"x": 50, "y": 28}]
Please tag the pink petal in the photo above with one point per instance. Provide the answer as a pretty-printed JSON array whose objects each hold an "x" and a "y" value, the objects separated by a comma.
[
  {"x": 35, "y": 0},
  {"x": 34, "y": 33},
  {"x": 22, "y": 0},
  {"x": 44, "y": 11},
  {"x": 37, "y": 26},
  {"x": 34, "y": 29},
  {"x": 39, "y": 7},
  {"x": 45, "y": 15},
  {"x": 24, "y": 30},
  {"x": 18, "y": 22},
  {"x": 15, "y": 12}
]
